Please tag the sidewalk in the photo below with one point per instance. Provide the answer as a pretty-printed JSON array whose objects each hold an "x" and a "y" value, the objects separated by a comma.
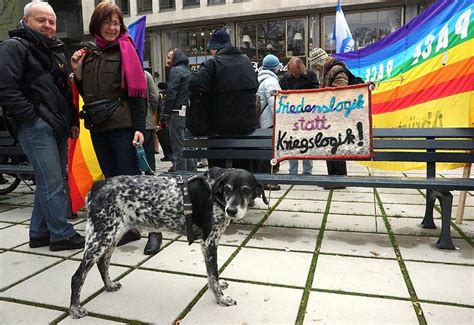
[{"x": 314, "y": 256}]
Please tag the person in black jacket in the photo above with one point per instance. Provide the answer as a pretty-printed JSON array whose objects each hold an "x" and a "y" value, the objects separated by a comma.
[
  {"x": 37, "y": 102},
  {"x": 298, "y": 77},
  {"x": 175, "y": 105},
  {"x": 229, "y": 83}
]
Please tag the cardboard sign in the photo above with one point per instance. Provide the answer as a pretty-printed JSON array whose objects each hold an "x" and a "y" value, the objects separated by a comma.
[{"x": 329, "y": 124}]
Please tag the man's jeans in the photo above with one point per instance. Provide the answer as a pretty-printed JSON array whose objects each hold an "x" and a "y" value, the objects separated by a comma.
[
  {"x": 48, "y": 155},
  {"x": 177, "y": 126},
  {"x": 307, "y": 167}
]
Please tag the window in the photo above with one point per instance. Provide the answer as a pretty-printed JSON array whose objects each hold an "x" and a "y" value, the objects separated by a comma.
[
  {"x": 144, "y": 6},
  {"x": 167, "y": 4},
  {"x": 282, "y": 38},
  {"x": 214, "y": 2},
  {"x": 189, "y": 3},
  {"x": 366, "y": 27},
  {"x": 124, "y": 5}
]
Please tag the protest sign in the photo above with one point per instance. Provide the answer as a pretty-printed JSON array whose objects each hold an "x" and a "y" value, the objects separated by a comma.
[{"x": 329, "y": 124}]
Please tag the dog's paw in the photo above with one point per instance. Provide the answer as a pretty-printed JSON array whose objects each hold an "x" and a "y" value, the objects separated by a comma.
[
  {"x": 223, "y": 284},
  {"x": 114, "y": 286},
  {"x": 226, "y": 301},
  {"x": 77, "y": 312}
]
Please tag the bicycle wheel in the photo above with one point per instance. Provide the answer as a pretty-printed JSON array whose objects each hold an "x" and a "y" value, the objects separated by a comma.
[{"x": 8, "y": 183}]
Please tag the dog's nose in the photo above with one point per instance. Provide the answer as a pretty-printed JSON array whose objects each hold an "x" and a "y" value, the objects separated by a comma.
[{"x": 231, "y": 211}]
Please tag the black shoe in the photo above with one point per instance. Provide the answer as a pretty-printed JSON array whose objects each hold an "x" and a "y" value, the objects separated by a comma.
[
  {"x": 154, "y": 242},
  {"x": 165, "y": 158},
  {"x": 171, "y": 170},
  {"x": 36, "y": 242},
  {"x": 334, "y": 187},
  {"x": 272, "y": 187},
  {"x": 75, "y": 242},
  {"x": 129, "y": 236}
]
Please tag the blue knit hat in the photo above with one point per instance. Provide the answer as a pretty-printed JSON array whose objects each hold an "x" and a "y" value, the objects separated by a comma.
[
  {"x": 218, "y": 39},
  {"x": 270, "y": 62}
]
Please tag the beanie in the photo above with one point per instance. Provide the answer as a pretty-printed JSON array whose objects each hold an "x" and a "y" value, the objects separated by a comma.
[
  {"x": 270, "y": 62},
  {"x": 218, "y": 39},
  {"x": 317, "y": 56}
]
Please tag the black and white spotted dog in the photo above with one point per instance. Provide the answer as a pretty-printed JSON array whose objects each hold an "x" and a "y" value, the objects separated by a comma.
[{"x": 121, "y": 203}]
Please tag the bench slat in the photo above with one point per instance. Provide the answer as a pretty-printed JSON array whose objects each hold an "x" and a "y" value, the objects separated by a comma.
[
  {"x": 425, "y": 144},
  {"x": 423, "y": 132}
]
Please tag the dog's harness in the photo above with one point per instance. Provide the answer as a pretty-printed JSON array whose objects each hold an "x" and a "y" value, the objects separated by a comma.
[{"x": 187, "y": 204}]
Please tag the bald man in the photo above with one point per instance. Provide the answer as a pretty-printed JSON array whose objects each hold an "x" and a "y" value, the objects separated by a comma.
[{"x": 36, "y": 98}]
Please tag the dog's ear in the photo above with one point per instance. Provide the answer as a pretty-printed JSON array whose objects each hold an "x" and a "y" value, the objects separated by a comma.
[
  {"x": 261, "y": 192},
  {"x": 214, "y": 173},
  {"x": 218, "y": 189}
]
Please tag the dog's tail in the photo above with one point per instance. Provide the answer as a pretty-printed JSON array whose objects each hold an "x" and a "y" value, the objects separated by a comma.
[{"x": 93, "y": 192}]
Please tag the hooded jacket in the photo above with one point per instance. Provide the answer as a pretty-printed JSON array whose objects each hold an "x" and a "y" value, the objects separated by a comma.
[
  {"x": 229, "y": 82},
  {"x": 177, "y": 92},
  {"x": 268, "y": 81},
  {"x": 34, "y": 81}
]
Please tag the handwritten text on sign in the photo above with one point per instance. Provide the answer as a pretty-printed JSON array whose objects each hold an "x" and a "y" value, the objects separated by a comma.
[{"x": 332, "y": 123}]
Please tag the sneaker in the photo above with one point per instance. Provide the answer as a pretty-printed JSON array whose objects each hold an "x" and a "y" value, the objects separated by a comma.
[
  {"x": 129, "y": 236},
  {"x": 36, "y": 242},
  {"x": 75, "y": 242},
  {"x": 272, "y": 187}
]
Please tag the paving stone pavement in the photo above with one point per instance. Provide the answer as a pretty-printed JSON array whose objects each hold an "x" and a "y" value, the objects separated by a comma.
[{"x": 313, "y": 256}]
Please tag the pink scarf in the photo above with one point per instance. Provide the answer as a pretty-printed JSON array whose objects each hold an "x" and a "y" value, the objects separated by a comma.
[{"x": 133, "y": 78}]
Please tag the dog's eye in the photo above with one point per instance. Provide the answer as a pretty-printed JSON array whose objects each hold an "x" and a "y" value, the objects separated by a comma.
[
  {"x": 245, "y": 190},
  {"x": 227, "y": 189}
]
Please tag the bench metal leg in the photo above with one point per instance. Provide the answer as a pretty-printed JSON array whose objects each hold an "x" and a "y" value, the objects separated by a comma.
[
  {"x": 446, "y": 200},
  {"x": 428, "y": 222}
]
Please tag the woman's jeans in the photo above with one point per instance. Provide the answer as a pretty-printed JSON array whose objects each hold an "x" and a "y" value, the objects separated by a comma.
[
  {"x": 47, "y": 153},
  {"x": 307, "y": 167},
  {"x": 115, "y": 152}
]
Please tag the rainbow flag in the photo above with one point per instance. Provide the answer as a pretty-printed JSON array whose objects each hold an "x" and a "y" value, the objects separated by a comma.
[{"x": 424, "y": 71}]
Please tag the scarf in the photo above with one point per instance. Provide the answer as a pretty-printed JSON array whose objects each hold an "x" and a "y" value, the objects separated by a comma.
[{"x": 133, "y": 78}]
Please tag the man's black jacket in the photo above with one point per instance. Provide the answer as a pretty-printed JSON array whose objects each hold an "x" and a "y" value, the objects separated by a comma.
[
  {"x": 177, "y": 92},
  {"x": 230, "y": 83},
  {"x": 34, "y": 81}
]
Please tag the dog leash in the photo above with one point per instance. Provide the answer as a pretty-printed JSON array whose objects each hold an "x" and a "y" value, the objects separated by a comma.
[{"x": 142, "y": 162}]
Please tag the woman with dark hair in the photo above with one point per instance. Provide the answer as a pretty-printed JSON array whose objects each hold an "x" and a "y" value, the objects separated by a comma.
[{"x": 109, "y": 76}]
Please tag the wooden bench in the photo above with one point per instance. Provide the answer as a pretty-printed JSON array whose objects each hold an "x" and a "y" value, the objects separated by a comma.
[{"x": 451, "y": 145}]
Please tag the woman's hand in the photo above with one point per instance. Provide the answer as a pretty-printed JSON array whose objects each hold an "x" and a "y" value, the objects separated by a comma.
[
  {"x": 76, "y": 63},
  {"x": 138, "y": 137}
]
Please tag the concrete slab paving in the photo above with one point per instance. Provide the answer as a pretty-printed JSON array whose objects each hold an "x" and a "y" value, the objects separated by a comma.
[
  {"x": 441, "y": 314},
  {"x": 295, "y": 219},
  {"x": 14, "y": 236},
  {"x": 423, "y": 249},
  {"x": 45, "y": 250},
  {"x": 396, "y": 198},
  {"x": 354, "y": 208},
  {"x": 235, "y": 234},
  {"x": 52, "y": 287},
  {"x": 360, "y": 244},
  {"x": 284, "y": 238},
  {"x": 26, "y": 199},
  {"x": 253, "y": 217},
  {"x": 332, "y": 308},
  {"x": 443, "y": 282},
  {"x": 180, "y": 257},
  {"x": 148, "y": 296},
  {"x": 308, "y": 195},
  {"x": 407, "y": 210},
  {"x": 256, "y": 304},
  {"x": 361, "y": 275},
  {"x": 302, "y": 205},
  {"x": 17, "y": 266},
  {"x": 347, "y": 222},
  {"x": 15, "y": 313},
  {"x": 267, "y": 266},
  {"x": 16, "y": 215}
]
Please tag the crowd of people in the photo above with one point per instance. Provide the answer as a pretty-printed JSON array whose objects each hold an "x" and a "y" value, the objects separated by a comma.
[{"x": 122, "y": 101}]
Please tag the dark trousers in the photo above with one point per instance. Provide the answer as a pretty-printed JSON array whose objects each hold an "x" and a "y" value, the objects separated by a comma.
[
  {"x": 164, "y": 139},
  {"x": 115, "y": 152},
  {"x": 247, "y": 164},
  {"x": 336, "y": 167}
]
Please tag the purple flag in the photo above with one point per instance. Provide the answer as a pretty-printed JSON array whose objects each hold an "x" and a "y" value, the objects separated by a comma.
[{"x": 136, "y": 30}]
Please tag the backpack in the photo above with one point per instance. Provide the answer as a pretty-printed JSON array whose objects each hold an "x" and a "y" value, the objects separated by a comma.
[{"x": 353, "y": 80}]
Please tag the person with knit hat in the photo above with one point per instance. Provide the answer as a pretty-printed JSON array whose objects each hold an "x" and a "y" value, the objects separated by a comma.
[
  {"x": 268, "y": 87},
  {"x": 228, "y": 83},
  {"x": 298, "y": 77},
  {"x": 332, "y": 73}
]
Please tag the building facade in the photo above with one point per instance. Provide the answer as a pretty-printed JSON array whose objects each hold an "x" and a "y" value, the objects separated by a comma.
[{"x": 284, "y": 28}]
